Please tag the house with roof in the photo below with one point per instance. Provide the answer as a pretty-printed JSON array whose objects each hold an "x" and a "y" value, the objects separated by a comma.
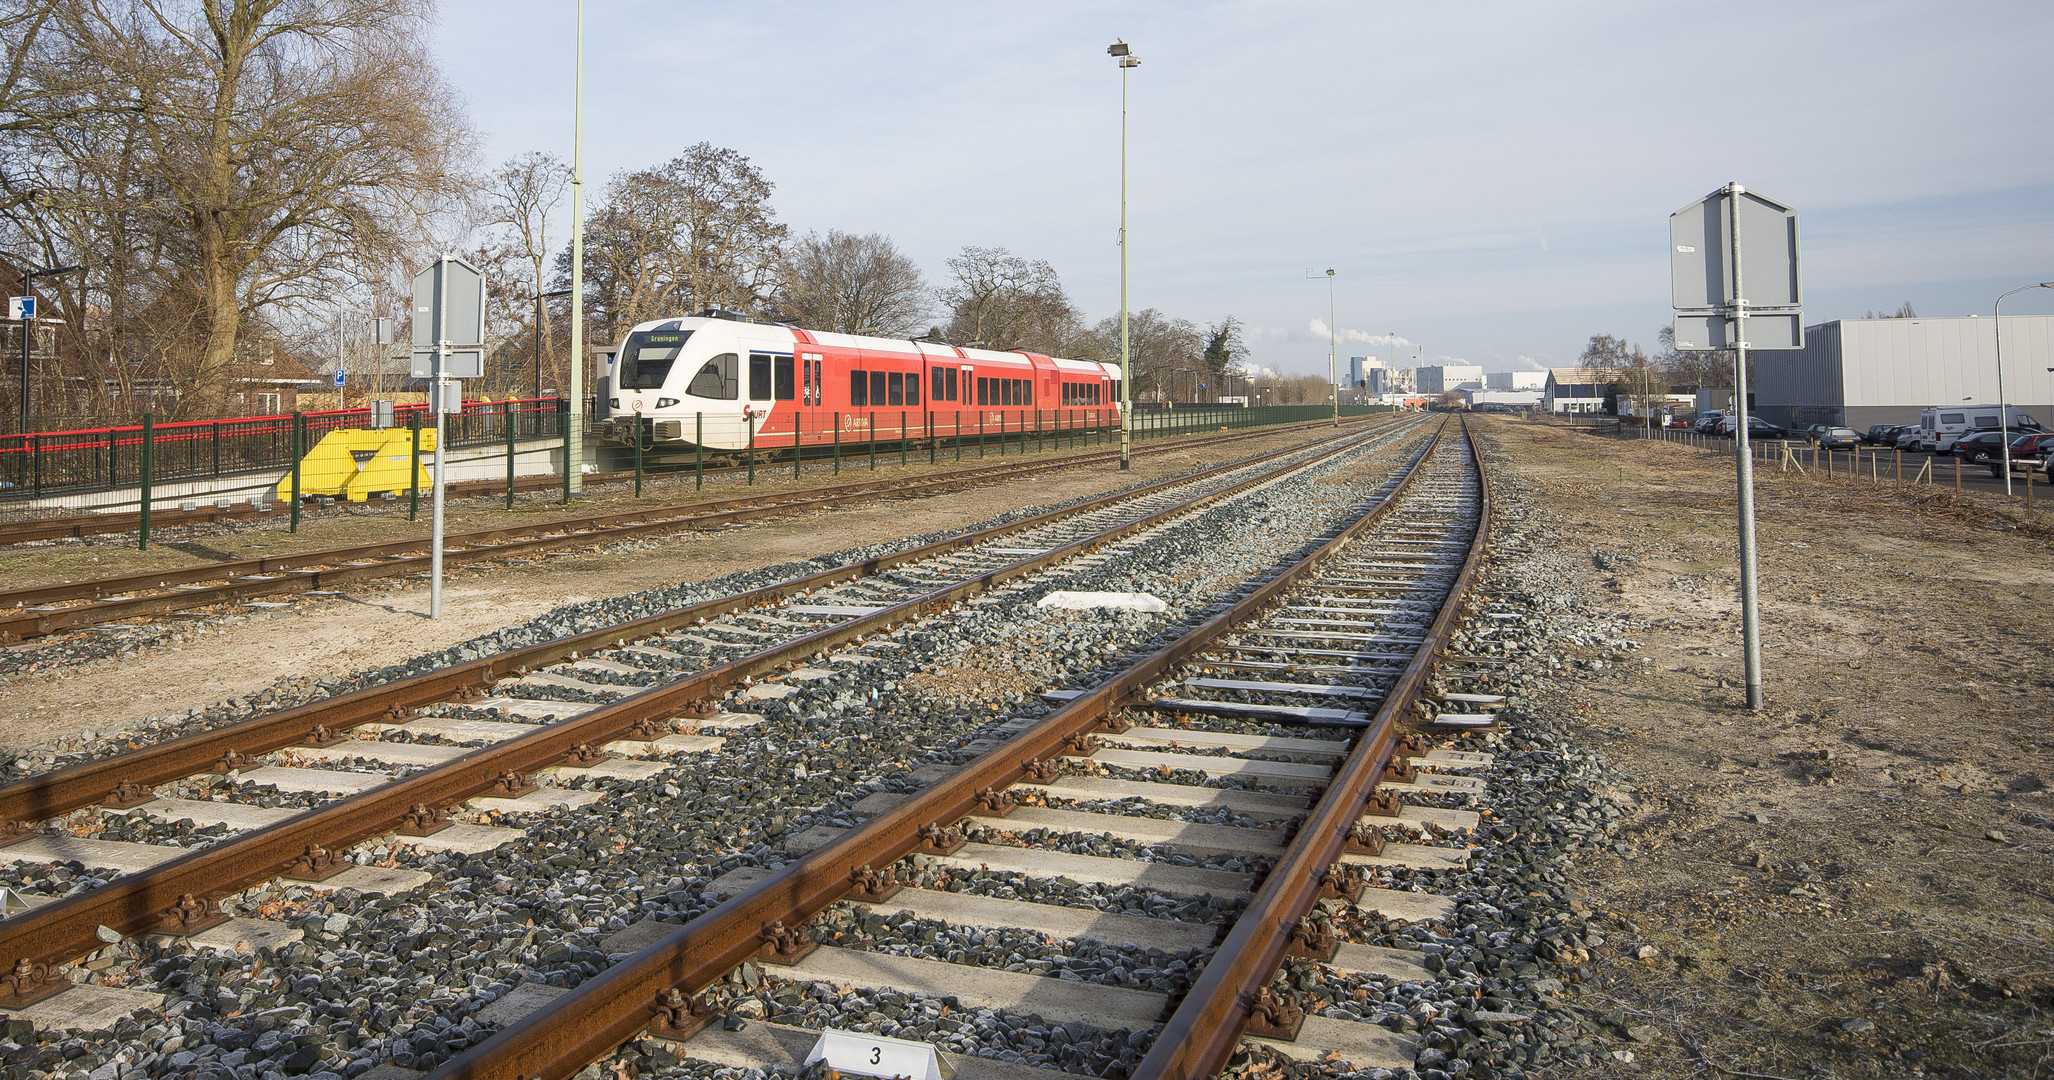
[{"x": 1576, "y": 390}]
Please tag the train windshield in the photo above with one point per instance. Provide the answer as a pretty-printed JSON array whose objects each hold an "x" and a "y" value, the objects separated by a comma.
[{"x": 646, "y": 358}]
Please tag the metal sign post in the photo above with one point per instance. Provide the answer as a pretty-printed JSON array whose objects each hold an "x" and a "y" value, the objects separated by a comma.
[
  {"x": 1709, "y": 239},
  {"x": 449, "y": 331}
]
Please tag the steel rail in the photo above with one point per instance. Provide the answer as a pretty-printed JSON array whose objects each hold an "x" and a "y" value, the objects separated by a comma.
[
  {"x": 610, "y": 1008},
  {"x": 19, "y": 621},
  {"x": 59, "y": 932},
  {"x": 61, "y": 791},
  {"x": 1206, "y": 1028},
  {"x": 82, "y": 525}
]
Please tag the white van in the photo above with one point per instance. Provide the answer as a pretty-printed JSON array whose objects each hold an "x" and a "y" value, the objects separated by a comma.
[{"x": 1941, "y": 425}]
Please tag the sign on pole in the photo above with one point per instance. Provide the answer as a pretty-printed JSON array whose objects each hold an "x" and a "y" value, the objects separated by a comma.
[
  {"x": 341, "y": 377},
  {"x": 21, "y": 307},
  {"x": 449, "y": 310},
  {"x": 1733, "y": 277},
  {"x": 449, "y": 337}
]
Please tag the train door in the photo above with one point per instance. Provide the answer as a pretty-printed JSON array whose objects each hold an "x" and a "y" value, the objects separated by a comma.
[{"x": 773, "y": 377}]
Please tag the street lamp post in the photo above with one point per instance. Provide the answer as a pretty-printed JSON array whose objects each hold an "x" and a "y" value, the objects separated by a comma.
[
  {"x": 574, "y": 420},
  {"x": 1333, "y": 349},
  {"x": 28, "y": 326},
  {"x": 1119, "y": 51},
  {"x": 2004, "y": 410}
]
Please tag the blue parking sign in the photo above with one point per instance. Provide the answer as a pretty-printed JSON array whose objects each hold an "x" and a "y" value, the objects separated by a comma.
[{"x": 340, "y": 376}]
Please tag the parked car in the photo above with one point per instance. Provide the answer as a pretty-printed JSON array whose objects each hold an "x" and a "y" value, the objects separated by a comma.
[
  {"x": 1835, "y": 438},
  {"x": 1708, "y": 421},
  {"x": 1911, "y": 438},
  {"x": 1978, "y": 447}
]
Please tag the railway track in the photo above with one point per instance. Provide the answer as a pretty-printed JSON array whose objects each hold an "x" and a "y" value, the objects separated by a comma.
[
  {"x": 78, "y": 526},
  {"x": 45, "y": 610},
  {"x": 1339, "y": 643},
  {"x": 471, "y": 741}
]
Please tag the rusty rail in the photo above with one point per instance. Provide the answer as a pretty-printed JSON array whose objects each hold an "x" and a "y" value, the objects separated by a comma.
[
  {"x": 61, "y": 931},
  {"x": 604, "y": 1011},
  {"x": 18, "y": 621},
  {"x": 1206, "y": 1029}
]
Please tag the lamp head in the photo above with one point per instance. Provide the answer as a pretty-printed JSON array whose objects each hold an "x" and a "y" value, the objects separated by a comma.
[{"x": 1118, "y": 48}]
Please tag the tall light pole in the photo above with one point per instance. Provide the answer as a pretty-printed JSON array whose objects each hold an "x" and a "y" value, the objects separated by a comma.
[
  {"x": 1119, "y": 51},
  {"x": 574, "y": 420},
  {"x": 1333, "y": 349},
  {"x": 2003, "y": 410}
]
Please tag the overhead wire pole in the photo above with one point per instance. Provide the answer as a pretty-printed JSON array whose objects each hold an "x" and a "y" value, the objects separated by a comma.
[
  {"x": 574, "y": 418},
  {"x": 1333, "y": 349},
  {"x": 1119, "y": 51}
]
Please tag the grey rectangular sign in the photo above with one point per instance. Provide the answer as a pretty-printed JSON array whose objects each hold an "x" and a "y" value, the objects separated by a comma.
[
  {"x": 1770, "y": 330},
  {"x": 1701, "y": 245},
  {"x": 463, "y": 305}
]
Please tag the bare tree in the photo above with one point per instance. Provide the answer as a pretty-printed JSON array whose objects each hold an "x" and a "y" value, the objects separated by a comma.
[
  {"x": 1159, "y": 346},
  {"x": 1903, "y": 311},
  {"x": 853, "y": 285},
  {"x": 521, "y": 195},
  {"x": 999, "y": 300},
  {"x": 273, "y": 148},
  {"x": 696, "y": 232}
]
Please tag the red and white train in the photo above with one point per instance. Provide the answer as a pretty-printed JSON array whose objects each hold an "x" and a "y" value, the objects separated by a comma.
[{"x": 716, "y": 379}]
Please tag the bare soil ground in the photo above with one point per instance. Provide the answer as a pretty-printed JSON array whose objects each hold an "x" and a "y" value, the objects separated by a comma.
[
  {"x": 247, "y": 649},
  {"x": 1854, "y": 882}
]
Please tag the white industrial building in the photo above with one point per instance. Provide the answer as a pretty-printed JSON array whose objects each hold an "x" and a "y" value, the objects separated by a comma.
[
  {"x": 1860, "y": 372},
  {"x": 1440, "y": 378},
  {"x": 1515, "y": 380}
]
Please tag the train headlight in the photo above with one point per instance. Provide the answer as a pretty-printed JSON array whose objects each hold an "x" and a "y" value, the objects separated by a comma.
[
  {"x": 613, "y": 403},
  {"x": 666, "y": 402}
]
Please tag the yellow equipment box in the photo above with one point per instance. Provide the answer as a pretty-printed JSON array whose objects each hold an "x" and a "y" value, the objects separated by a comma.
[{"x": 356, "y": 463}]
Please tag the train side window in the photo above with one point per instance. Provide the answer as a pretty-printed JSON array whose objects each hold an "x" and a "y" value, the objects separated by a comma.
[
  {"x": 877, "y": 393},
  {"x": 937, "y": 387},
  {"x": 983, "y": 390},
  {"x": 759, "y": 377},
  {"x": 1028, "y": 391},
  {"x": 859, "y": 387},
  {"x": 913, "y": 388},
  {"x": 895, "y": 392},
  {"x": 716, "y": 379},
  {"x": 951, "y": 387},
  {"x": 781, "y": 371}
]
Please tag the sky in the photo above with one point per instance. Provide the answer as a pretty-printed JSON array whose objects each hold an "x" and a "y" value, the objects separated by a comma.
[{"x": 1490, "y": 182}]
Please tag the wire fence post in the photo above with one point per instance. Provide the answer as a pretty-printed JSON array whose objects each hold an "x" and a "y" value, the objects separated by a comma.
[
  {"x": 638, "y": 454},
  {"x": 149, "y": 467},
  {"x": 299, "y": 438},
  {"x": 798, "y": 437},
  {"x": 871, "y": 441},
  {"x": 957, "y": 435},
  {"x": 837, "y": 442},
  {"x": 216, "y": 447},
  {"x": 927, "y": 429},
  {"x": 698, "y": 451},
  {"x": 749, "y": 423},
  {"x": 506, "y": 420},
  {"x": 413, "y": 470}
]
